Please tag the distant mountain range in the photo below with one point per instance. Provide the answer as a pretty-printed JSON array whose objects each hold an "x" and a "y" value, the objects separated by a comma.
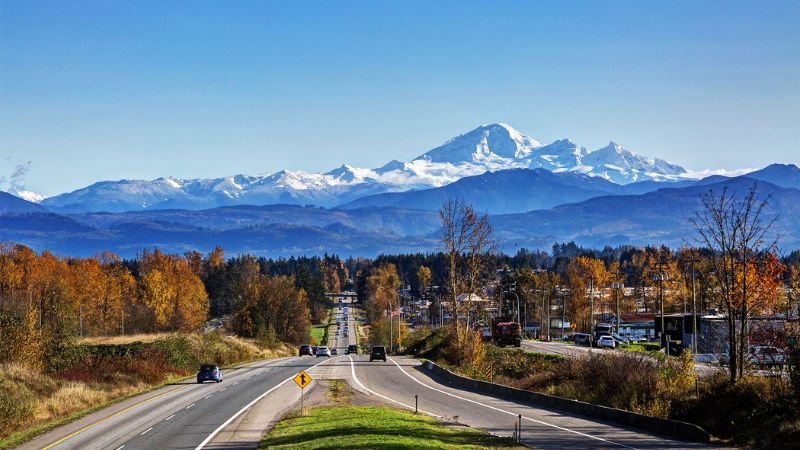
[
  {"x": 493, "y": 147},
  {"x": 531, "y": 208}
]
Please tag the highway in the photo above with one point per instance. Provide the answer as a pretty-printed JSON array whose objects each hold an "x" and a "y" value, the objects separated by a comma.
[{"x": 233, "y": 414}]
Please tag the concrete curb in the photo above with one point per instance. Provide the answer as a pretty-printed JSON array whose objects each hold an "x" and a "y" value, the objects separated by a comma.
[{"x": 665, "y": 427}]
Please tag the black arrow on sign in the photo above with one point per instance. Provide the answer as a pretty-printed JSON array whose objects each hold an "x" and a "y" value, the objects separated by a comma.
[{"x": 302, "y": 379}]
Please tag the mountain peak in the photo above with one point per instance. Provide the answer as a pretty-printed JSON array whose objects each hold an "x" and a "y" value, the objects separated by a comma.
[{"x": 485, "y": 143}]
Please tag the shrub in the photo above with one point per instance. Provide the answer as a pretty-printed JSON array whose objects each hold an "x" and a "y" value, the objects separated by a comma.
[{"x": 16, "y": 406}]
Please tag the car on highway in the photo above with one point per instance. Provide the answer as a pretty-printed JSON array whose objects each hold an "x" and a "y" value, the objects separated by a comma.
[
  {"x": 606, "y": 342},
  {"x": 323, "y": 351},
  {"x": 352, "y": 348},
  {"x": 766, "y": 356},
  {"x": 209, "y": 372},
  {"x": 378, "y": 352},
  {"x": 305, "y": 349},
  {"x": 314, "y": 349},
  {"x": 334, "y": 352}
]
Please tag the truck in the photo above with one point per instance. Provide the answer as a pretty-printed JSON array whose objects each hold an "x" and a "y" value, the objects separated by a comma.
[{"x": 505, "y": 332}]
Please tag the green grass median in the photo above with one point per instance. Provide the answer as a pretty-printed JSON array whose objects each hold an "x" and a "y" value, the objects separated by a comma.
[{"x": 373, "y": 427}]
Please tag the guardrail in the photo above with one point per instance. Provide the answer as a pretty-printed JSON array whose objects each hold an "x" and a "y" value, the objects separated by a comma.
[{"x": 665, "y": 427}]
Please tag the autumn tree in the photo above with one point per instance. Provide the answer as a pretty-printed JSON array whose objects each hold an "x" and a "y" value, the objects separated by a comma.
[
  {"x": 469, "y": 246},
  {"x": 382, "y": 287},
  {"x": 735, "y": 229}
]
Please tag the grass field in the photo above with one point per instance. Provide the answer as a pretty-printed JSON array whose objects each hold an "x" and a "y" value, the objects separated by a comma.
[{"x": 374, "y": 427}]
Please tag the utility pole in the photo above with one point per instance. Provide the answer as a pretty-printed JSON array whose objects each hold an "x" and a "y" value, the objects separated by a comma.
[
  {"x": 695, "y": 331},
  {"x": 617, "y": 287},
  {"x": 591, "y": 312},
  {"x": 545, "y": 318},
  {"x": 563, "y": 313},
  {"x": 661, "y": 276}
]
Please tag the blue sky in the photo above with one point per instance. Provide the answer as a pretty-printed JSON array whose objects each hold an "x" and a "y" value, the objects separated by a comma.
[{"x": 95, "y": 90}]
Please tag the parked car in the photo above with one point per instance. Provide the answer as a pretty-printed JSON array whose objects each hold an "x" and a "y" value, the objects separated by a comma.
[
  {"x": 766, "y": 356},
  {"x": 352, "y": 348},
  {"x": 378, "y": 352},
  {"x": 582, "y": 339},
  {"x": 620, "y": 339},
  {"x": 606, "y": 342},
  {"x": 209, "y": 372},
  {"x": 305, "y": 349},
  {"x": 323, "y": 351}
]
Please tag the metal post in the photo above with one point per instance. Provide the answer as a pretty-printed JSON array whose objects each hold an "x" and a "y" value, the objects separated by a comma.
[
  {"x": 543, "y": 318},
  {"x": 416, "y": 403},
  {"x": 519, "y": 429},
  {"x": 302, "y": 395}
]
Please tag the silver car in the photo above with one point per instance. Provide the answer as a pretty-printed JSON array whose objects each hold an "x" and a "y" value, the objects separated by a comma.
[{"x": 323, "y": 351}]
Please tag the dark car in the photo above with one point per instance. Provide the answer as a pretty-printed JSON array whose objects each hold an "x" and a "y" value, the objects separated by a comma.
[
  {"x": 378, "y": 352},
  {"x": 305, "y": 349},
  {"x": 352, "y": 348},
  {"x": 313, "y": 350},
  {"x": 334, "y": 351},
  {"x": 209, "y": 372}
]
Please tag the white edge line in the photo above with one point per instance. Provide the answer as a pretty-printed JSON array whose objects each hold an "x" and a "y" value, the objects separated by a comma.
[
  {"x": 146, "y": 431},
  {"x": 353, "y": 371},
  {"x": 190, "y": 405},
  {"x": 247, "y": 406},
  {"x": 120, "y": 447},
  {"x": 507, "y": 412},
  {"x": 168, "y": 418}
]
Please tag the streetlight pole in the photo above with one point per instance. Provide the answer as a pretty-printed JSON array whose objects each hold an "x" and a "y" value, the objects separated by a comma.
[{"x": 563, "y": 313}]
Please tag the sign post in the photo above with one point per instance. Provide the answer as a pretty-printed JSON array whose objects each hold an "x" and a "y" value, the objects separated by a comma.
[{"x": 302, "y": 379}]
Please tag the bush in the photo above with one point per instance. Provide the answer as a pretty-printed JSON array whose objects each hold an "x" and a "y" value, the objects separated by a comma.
[{"x": 16, "y": 406}]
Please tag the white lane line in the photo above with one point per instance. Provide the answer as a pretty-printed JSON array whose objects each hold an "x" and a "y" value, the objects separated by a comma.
[
  {"x": 191, "y": 405},
  {"x": 170, "y": 417},
  {"x": 355, "y": 378},
  {"x": 121, "y": 447},
  {"x": 207, "y": 396},
  {"x": 508, "y": 412},
  {"x": 146, "y": 431},
  {"x": 223, "y": 389},
  {"x": 235, "y": 383},
  {"x": 247, "y": 406}
]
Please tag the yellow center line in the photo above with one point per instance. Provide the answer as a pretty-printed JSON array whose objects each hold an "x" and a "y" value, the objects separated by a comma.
[{"x": 111, "y": 417}]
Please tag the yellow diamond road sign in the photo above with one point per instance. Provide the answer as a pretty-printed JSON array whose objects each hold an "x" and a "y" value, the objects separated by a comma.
[{"x": 302, "y": 379}]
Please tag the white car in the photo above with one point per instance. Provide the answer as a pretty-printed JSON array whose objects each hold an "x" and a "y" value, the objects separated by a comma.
[
  {"x": 604, "y": 341},
  {"x": 323, "y": 351}
]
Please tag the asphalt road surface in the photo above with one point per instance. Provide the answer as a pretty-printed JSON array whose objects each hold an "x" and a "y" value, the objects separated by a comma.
[{"x": 233, "y": 414}]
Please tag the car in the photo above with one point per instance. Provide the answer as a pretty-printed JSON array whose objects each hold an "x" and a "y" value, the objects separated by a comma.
[
  {"x": 305, "y": 349},
  {"x": 352, "y": 348},
  {"x": 766, "y": 356},
  {"x": 345, "y": 333},
  {"x": 334, "y": 352},
  {"x": 582, "y": 339},
  {"x": 323, "y": 351},
  {"x": 378, "y": 352},
  {"x": 607, "y": 342},
  {"x": 314, "y": 349},
  {"x": 620, "y": 339},
  {"x": 209, "y": 372}
]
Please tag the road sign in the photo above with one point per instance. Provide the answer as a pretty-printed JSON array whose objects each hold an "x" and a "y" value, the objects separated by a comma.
[{"x": 302, "y": 379}]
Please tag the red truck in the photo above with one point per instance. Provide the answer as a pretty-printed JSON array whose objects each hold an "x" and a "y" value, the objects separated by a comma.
[{"x": 506, "y": 333}]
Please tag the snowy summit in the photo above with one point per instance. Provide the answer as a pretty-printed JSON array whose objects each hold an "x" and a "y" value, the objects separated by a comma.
[{"x": 490, "y": 147}]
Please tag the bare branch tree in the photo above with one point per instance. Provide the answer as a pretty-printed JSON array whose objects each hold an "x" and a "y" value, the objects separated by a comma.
[{"x": 736, "y": 231}]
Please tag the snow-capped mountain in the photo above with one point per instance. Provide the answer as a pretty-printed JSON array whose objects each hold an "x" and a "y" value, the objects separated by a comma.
[{"x": 491, "y": 147}]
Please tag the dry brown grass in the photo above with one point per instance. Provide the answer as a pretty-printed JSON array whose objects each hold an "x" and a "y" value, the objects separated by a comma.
[{"x": 124, "y": 339}]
